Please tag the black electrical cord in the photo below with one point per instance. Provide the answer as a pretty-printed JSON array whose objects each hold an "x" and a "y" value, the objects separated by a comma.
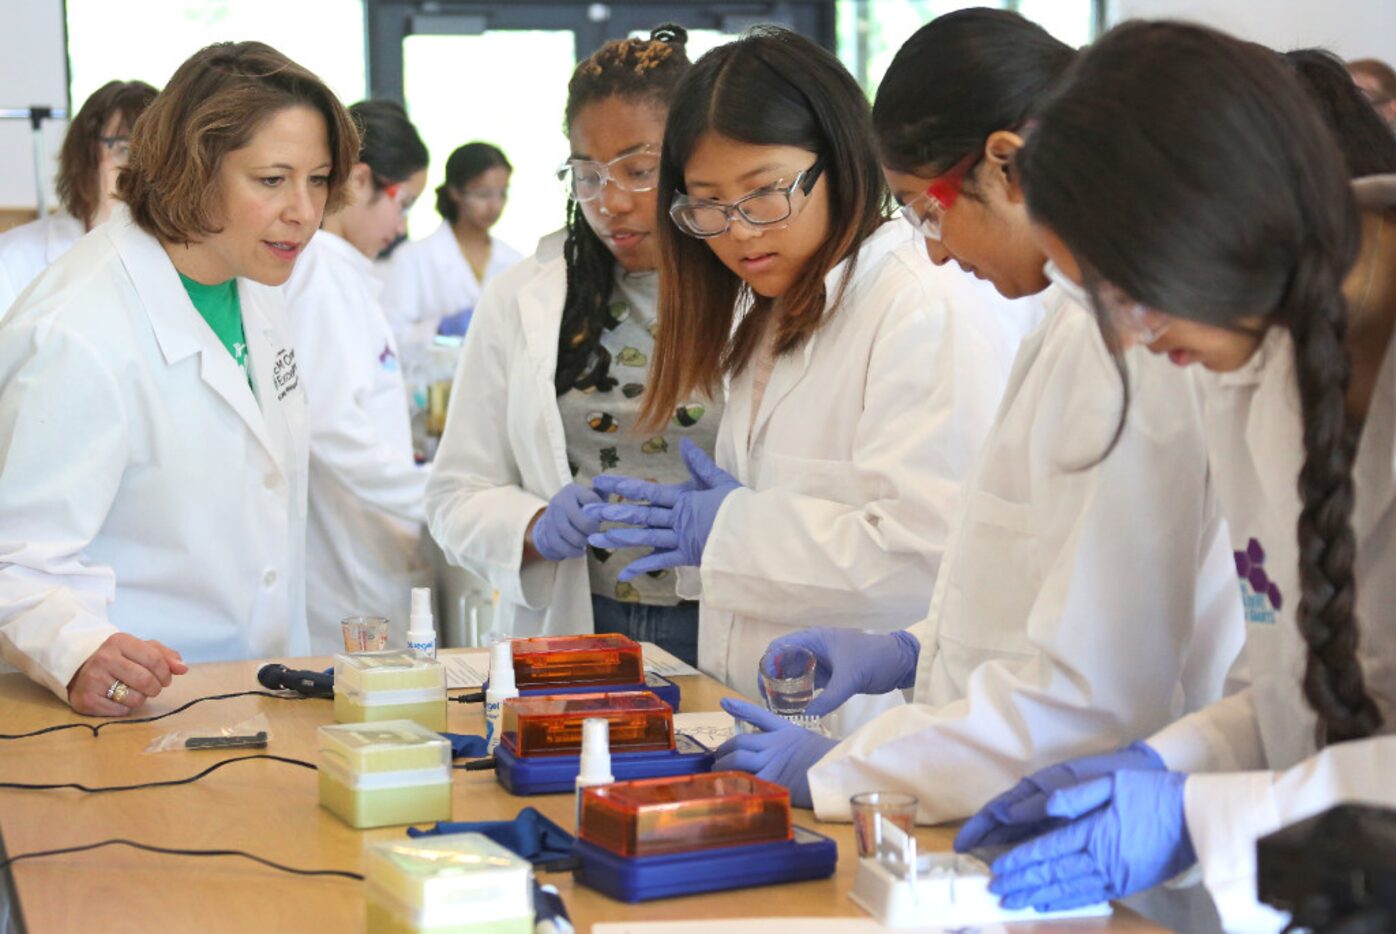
[
  {"x": 98, "y": 728},
  {"x": 477, "y": 698},
  {"x": 168, "y": 851},
  {"x": 27, "y": 786},
  {"x": 477, "y": 765}
]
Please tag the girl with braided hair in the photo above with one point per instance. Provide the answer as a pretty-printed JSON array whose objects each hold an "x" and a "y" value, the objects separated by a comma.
[
  {"x": 555, "y": 369},
  {"x": 1186, "y": 181}
]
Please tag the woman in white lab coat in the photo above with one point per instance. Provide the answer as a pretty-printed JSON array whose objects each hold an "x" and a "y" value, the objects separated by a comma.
[
  {"x": 94, "y": 150},
  {"x": 1235, "y": 238},
  {"x": 365, "y": 533},
  {"x": 553, "y": 373},
  {"x": 1084, "y": 601},
  {"x": 431, "y": 286},
  {"x": 860, "y": 380},
  {"x": 153, "y": 490}
]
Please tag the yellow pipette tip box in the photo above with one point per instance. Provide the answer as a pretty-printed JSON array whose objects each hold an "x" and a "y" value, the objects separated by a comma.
[
  {"x": 382, "y": 774},
  {"x": 462, "y": 883},
  {"x": 393, "y": 685}
]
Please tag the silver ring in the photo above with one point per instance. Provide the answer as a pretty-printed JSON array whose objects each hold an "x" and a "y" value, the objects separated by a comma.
[{"x": 117, "y": 692}]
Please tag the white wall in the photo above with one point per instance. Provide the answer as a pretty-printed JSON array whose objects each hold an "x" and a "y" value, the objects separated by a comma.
[
  {"x": 1350, "y": 28},
  {"x": 33, "y": 70}
]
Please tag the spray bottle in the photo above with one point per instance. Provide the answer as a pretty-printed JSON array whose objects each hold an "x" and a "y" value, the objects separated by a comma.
[
  {"x": 596, "y": 759},
  {"x": 501, "y": 688},
  {"x": 421, "y": 629}
]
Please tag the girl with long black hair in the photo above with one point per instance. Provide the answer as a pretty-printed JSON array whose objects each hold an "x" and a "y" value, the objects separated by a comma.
[
  {"x": 555, "y": 369},
  {"x": 1186, "y": 181}
]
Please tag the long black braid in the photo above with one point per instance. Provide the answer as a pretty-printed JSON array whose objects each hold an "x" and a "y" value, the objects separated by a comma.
[{"x": 639, "y": 69}]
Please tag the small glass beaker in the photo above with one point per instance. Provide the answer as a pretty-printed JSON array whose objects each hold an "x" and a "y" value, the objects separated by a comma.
[
  {"x": 896, "y": 807},
  {"x": 364, "y": 633},
  {"x": 787, "y": 678}
]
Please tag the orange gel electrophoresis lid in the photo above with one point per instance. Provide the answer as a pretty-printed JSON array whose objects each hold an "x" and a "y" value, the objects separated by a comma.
[
  {"x": 551, "y": 724},
  {"x": 653, "y": 816},
  {"x": 567, "y": 661}
]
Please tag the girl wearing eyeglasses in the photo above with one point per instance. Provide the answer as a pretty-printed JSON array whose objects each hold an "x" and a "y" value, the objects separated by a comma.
[
  {"x": 860, "y": 379},
  {"x": 431, "y": 286},
  {"x": 364, "y": 533},
  {"x": 95, "y": 148},
  {"x": 1083, "y": 599},
  {"x": 553, "y": 373}
]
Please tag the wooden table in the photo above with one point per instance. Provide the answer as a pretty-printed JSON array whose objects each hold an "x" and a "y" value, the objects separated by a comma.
[{"x": 271, "y": 809}]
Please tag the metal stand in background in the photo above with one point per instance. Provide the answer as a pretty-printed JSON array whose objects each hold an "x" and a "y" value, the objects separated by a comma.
[{"x": 36, "y": 115}]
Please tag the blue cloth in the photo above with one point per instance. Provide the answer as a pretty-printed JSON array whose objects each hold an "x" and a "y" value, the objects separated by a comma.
[
  {"x": 1123, "y": 833},
  {"x": 673, "y": 628},
  {"x": 531, "y": 835},
  {"x": 562, "y": 530},
  {"x": 675, "y": 523},
  {"x": 852, "y": 662},
  {"x": 782, "y": 753},
  {"x": 1020, "y": 812},
  {"x": 466, "y": 745}
]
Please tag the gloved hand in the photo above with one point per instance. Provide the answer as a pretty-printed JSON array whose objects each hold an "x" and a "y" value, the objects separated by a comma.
[
  {"x": 1125, "y": 832},
  {"x": 677, "y": 521},
  {"x": 852, "y": 662},
  {"x": 783, "y": 753},
  {"x": 562, "y": 529},
  {"x": 1019, "y": 813}
]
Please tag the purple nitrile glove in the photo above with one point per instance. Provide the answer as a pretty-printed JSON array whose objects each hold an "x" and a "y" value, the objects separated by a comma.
[
  {"x": 562, "y": 530},
  {"x": 851, "y": 662},
  {"x": 1124, "y": 833},
  {"x": 675, "y": 523},
  {"x": 1020, "y": 812},
  {"x": 782, "y": 753}
]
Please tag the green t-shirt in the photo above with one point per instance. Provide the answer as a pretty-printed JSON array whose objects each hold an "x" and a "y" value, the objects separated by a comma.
[{"x": 220, "y": 307}]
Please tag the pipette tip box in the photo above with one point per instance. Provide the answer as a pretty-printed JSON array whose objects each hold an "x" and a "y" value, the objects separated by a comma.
[
  {"x": 381, "y": 774},
  {"x": 540, "y": 747},
  {"x": 460, "y": 883},
  {"x": 661, "y": 837},
  {"x": 392, "y": 685}
]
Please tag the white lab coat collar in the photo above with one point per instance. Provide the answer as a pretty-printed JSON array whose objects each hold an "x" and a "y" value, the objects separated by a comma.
[
  {"x": 540, "y": 315},
  {"x": 793, "y": 367},
  {"x": 333, "y": 243},
  {"x": 181, "y": 331}
]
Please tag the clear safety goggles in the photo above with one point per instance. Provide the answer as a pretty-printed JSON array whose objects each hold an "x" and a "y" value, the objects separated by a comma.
[
  {"x": 926, "y": 212},
  {"x": 764, "y": 207},
  {"x": 1130, "y": 319},
  {"x": 584, "y": 180}
]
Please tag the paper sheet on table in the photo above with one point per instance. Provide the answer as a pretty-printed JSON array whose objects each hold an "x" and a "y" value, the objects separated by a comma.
[
  {"x": 712, "y": 728},
  {"x": 776, "y": 926},
  {"x": 468, "y": 668}
]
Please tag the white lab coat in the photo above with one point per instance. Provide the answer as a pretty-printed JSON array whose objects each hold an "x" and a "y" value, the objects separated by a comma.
[
  {"x": 1079, "y": 607},
  {"x": 29, "y": 249},
  {"x": 504, "y": 453},
  {"x": 365, "y": 541},
  {"x": 429, "y": 279},
  {"x": 855, "y": 461},
  {"x": 143, "y": 487},
  {"x": 1263, "y": 736}
]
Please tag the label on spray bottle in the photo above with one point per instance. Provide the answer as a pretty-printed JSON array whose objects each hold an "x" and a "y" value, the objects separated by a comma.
[{"x": 494, "y": 712}]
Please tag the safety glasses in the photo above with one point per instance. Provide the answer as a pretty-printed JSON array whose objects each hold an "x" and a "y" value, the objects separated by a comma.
[
  {"x": 584, "y": 180},
  {"x": 1128, "y": 318},
  {"x": 926, "y": 212},
  {"x": 764, "y": 207}
]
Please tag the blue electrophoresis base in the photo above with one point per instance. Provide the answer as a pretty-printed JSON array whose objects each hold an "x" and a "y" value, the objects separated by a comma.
[{"x": 540, "y": 775}]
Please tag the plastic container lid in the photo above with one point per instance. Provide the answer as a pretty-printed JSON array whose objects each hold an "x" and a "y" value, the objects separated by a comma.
[
  {"x": 654, "y": 816},
  {"x": 445, "y": 879},
  {"x": 565, "y": 661},
  {"x": 386, "y": 746},
  {"x": 551, "y": 724},
  {"x": 395, "y": 670}
]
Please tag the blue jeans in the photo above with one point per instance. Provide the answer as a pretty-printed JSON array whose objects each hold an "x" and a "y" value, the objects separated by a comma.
[{"x": 673, "y": 628}]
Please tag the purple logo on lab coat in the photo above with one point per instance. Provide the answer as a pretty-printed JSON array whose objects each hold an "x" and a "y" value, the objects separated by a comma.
[
  {"x": 387, "y": 359},
  {"x": 1260, "y": 594}
]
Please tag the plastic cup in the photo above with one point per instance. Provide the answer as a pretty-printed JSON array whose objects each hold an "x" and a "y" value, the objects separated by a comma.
[
  {"x": 787, "y": 677},
  {"x": 364, "y": 633},
  {"x": 895, "y": 807}
]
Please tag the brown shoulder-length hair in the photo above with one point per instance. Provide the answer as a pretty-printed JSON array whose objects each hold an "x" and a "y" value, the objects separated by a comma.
[
  {"x": 79, "y": 188},
  {"x": 771, "y": 87},
  {"x": 212, "y": 106}
]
